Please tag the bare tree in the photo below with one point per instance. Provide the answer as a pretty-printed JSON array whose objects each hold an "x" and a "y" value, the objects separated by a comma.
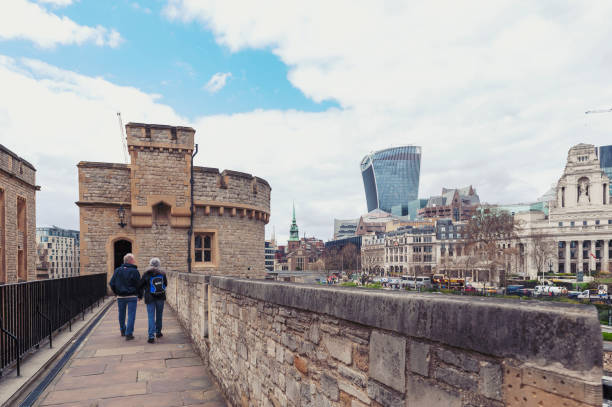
[
  {"x": 486, "y": 234},
  {"x": 350, "y": 258},
  {"x": 543, "y": 250}
]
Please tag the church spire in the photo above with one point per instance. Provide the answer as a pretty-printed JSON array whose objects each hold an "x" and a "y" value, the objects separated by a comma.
[{"x": 294, "y": 234}]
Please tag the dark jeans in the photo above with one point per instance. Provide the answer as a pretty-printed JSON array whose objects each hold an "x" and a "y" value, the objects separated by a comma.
[
  {"x": 130, "y": 304},
  {"x": 155, "y": 311}
]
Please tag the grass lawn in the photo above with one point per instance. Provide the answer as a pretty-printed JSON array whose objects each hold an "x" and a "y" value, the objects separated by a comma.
[{"x": 607, "y": 336}]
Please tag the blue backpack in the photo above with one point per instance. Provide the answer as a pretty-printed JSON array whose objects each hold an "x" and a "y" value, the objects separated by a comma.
[{"x": 157, "y": 287}]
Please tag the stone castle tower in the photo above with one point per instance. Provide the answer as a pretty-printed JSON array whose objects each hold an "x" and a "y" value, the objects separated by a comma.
[{"x": 145, "y": 208}]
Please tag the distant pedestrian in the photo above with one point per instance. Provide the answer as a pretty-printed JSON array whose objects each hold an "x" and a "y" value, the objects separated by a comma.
[
  {"x": 153, "y": 287},
  {"x": 124, "y": 284}
]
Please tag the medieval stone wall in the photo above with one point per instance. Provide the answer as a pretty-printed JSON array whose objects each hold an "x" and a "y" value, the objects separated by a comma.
[
  {"x": 104, "y": 182},
  {"x": 17, "y": 182},
  {"x": 279, "y": 344}
]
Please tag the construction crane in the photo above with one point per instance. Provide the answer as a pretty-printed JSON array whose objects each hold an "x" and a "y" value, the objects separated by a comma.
[
  {"x": 122, "y": 136},
  {"x": 598, "y": 111}
]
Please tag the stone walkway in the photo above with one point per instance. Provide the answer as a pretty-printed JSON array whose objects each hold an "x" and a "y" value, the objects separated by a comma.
[{"x": 108, "y": 371}]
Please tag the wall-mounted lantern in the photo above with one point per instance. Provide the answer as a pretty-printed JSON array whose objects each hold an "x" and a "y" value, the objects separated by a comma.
[{"x": 121, "y": 214}]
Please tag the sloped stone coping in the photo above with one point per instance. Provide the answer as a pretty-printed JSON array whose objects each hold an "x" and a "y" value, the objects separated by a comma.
[{"x": 549, "y": 334}]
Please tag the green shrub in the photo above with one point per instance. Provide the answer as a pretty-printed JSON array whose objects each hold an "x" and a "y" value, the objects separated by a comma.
[
  {"x": 373, "y": 285},
  {"x": 348, "y": 284}
]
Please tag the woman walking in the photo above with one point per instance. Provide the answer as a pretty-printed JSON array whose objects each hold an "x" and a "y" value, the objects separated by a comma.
[{"x": 152, "y": 286}]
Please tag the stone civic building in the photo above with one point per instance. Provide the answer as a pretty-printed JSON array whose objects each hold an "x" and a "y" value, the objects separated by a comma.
[
  {"x": 145, "y": 208},
  {"x": 17, "y": 218},
  {"x": 579, "y": 224}
]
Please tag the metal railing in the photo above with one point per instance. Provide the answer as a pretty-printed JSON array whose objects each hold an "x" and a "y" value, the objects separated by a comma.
[{"x": 30, "y": 312}]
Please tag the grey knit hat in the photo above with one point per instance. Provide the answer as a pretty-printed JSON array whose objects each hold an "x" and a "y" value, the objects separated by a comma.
[{"x": 154, "y": 262}]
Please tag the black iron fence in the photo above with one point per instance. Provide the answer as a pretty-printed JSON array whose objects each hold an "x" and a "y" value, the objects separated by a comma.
[{"x": 30, "y": 312}]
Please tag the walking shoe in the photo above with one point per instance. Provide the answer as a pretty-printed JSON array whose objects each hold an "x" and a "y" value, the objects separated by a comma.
[
  {"x": 159, "y": 334},
  {"x": 151, "y": 340},
  {"x": 129, "y": 337},
  {"x": 122, "y": 333}
]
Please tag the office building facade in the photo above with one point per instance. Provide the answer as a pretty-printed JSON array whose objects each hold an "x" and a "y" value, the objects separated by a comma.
[{"x": 391, "y": 177}]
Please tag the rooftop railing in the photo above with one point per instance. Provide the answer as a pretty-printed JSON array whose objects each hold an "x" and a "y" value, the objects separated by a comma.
[{"x": 32, "y": 311}]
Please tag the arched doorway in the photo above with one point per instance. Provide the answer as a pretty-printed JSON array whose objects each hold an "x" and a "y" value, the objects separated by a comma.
[{"x": 120, "y": 249}]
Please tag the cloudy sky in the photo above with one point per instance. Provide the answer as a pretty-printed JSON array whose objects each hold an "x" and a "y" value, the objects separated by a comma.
[{"x": 298, "y": 92}]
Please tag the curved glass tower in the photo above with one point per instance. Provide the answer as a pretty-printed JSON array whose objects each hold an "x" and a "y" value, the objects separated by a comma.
[{"x": 391, "y": 176}]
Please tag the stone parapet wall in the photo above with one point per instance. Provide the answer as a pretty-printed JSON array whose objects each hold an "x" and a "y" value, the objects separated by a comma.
[
  {"x": 16, "y": 167},
  {"x": 280, "y": 344},
  {"x": 230, "y": 187},
  {"x": 104, "y": 183}
]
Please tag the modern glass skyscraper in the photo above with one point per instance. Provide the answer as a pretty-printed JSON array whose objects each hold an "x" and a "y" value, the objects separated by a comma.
[
  {"x": 605, "y": 161},
  {"x": 391, "y": 177}
]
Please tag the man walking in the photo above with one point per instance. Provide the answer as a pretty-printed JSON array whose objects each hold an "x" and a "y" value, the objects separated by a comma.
[
  {"x": 124, "y": 284},
  {"x": 153, "y": 286}
]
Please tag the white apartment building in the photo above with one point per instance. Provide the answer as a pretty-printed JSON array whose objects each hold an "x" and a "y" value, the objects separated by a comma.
[{"x": 60, "y": 250}]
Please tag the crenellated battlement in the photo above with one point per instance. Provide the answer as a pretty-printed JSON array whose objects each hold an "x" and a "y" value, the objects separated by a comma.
[
  {"x": 141, "y": 136},
  {"x": 17, "y": 167}
]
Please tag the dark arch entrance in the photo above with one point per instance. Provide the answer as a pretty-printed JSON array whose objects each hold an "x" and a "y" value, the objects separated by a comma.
[{"x": 121, "y": 248}]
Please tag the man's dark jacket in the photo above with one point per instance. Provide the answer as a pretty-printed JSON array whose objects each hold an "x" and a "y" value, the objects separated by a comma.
[
  {"x": 144, "y": 287},
  {"x": 124, "y": 282}
]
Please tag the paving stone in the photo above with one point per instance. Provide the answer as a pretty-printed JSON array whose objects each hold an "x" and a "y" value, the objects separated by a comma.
[
  {"x": 180, "y": 362},
  {"x": 98, "y": 392},
  {"x": 87, "y": 370},
  {"x": 168, "y": 374}
]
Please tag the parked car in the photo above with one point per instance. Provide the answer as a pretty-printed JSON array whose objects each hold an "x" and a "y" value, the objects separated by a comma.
[
  {"x": 514, "y": 289},
  {"x": 549, "y": 290}
]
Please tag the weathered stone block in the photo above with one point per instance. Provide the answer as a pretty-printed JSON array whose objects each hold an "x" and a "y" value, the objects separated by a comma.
[
  {"x": 419, "y": 358},
  {"x": 456, "y": 378},
  {"x": 329, "y": 386},
  {"x": 384, "y": 396},
  {"x": 293, "y": 390},
  {"x": 423, "y": 393},
  {"x": 354, "y": 391},
  {"x": 388, "y": 360},
  {"x": 338, "y": 349},
  {"x": 458, "y": 359},
  {"x": 353, "y": 375},
  {"x": 490, "y": 382}
]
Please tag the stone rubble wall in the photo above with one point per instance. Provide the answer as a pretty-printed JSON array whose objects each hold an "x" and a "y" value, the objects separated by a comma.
[{"x": 280, "y": 344}]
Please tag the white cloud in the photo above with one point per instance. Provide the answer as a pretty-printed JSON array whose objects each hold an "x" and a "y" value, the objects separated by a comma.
[
  {"x": 495, "y": 97},
  {"x": 21, "y": 19},
  {"x": 495, "y": 93},
  {"x": 56, "y": 118},
  {"x": 58, "y": 3},
  {"x": 217, "y": 82}
]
